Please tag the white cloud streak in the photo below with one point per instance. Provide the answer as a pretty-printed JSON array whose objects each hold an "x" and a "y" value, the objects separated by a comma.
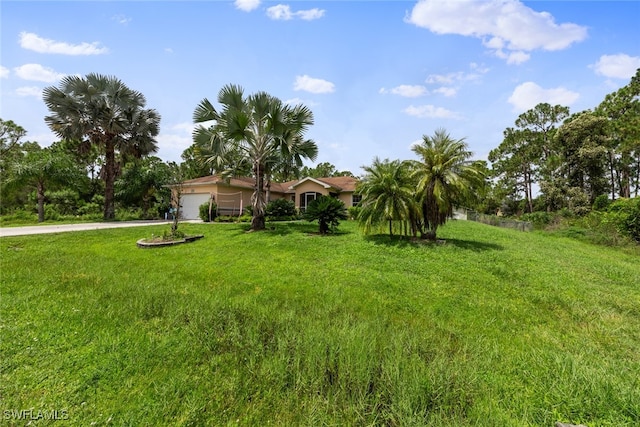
[
  {"x": 247, "y": 5},
  {"x": 31, "y": 41},
  {"x": 407, "y": 91},
  {"x": 313, "y": 85},
  {"x": 283, "y": 12},
  {"x": 25, "y": 91},
  {"x": 620, "y": 66},
  {"x": 37, "y": 72},
  {"x": 121, "y": 19},
  {"x": 4, "y": 72},
  {"x": 502, "y": 25},
  {"x": 430, "y": 112},
  {"x": 528, "y": 95}
]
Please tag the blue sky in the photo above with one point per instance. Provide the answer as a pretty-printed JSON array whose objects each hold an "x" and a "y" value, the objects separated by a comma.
[{"x": 377, "y": 74}]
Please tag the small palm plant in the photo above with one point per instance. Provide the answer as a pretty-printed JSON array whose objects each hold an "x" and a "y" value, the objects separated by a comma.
[{"x": 328, "y": 211}]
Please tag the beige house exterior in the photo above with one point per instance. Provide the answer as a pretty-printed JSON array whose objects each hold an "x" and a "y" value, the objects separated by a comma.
[{"x": 234, "y": 194}]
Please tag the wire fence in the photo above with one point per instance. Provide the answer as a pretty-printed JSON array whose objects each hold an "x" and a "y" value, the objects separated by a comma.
[{"x": 499, "y": 221}]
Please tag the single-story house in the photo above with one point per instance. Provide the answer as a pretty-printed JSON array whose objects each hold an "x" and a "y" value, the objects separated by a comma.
[{"x": 234, "y": 194}]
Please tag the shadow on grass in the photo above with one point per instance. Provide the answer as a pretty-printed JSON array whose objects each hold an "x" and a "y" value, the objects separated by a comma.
[
  {"x": 299, "y": 227},
  {"x": 403, "y": 241}
]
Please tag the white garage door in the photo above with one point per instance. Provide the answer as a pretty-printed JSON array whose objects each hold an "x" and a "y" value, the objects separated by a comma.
[{"x": 191, "y": 203}]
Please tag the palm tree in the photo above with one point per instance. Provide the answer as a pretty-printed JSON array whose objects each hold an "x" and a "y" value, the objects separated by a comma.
[
  {"x": 387, "y": 194},
  {"x": 258, "y": 126},
  {"x": 40, "y": 168},
  {"x": 102, "y": 111},
  {"x": 328, "y": 211},
  {"x": 445, "y": 177}
]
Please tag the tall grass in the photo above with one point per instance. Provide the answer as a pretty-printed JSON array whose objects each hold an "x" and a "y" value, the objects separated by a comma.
[{"x": 493, "y": 327}]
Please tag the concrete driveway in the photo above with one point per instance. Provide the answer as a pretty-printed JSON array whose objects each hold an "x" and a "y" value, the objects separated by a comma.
[{"x": 61, "y": 228}]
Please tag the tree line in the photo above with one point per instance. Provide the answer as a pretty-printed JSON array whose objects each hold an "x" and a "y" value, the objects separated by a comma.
[
  {"x": 570, "y": 159},
  {"x": 104, "y": 162}
]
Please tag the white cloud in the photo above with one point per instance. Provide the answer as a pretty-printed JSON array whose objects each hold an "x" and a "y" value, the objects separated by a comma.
[
  {"x": 36, "y": 43},
  {"x": 446, "y": 91},
  {"x": 121, "y": 19},
  {"x": 479, "y": 68},
  {"x": 430, "y": 112},
  {"x": 620, "y": 66},
  {"x": 4, "y": 72},
  {"x": 168, "y": 50},
  {"x": 451, "y": 82},
  {"x": 296, "y": 101},
  {"x": 280, "y": 12},
  {"x": 501, "y": 24},
  {"x": 37, "y": 72},
  {"x": 528, "y": 95},
  {"x": 175, "y": 139},
  {"x": 29, "y": 91},
  {"x": 517, "y": 57},
  {"x": 313, "y": 85},
  {"x": 447, "y": 79},
  {"x": 283, "y": 12},
  {"x": 408, "y": 91},
  {"x": 310, "y": 14},
  {"x": 443, "y": 78},
  {"x": 247, "y": 5}
]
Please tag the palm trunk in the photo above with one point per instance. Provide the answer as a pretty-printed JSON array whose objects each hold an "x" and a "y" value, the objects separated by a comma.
[
  {"x": 257, "y": 201},
  {"x": 109, "y": 178},
  {"x": 40, "y": 191}
]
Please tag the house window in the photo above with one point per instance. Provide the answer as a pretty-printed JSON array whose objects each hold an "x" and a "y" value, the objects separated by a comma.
[
  {"x": 306, "y": 198},
  {"x": 356, "y": 199}
]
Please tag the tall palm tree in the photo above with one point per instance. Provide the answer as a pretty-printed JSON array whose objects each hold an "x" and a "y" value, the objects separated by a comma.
[
  {"x": 41, "y": 168},
  {"x": 445, "y": 177},
  {"x": 387, "y": 194},
  {"x": 102, "y": 111},
  {"x": 258, "y": 126}
]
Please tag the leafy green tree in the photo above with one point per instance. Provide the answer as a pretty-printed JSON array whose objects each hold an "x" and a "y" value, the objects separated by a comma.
[
  {"x": 528, "y": 153},
  {"x": 10, "y": 145},
  {"x": 12, "y": 150},
  {"x": 387, "y": 194},
  {"x": 102, "y": 111},
  {"x": 622, "y": 111},
  {"x": 445, "y": 177},
  {"x": 515, "y": 160},
  {"x": 323, "y": 170},
  {"x": 583, "y": 141},
  {"x": 143, "y": 183},
  {"x": 328, "y": 211},
  {"x": 258, "y": 127},
  {"x": 38, "y": 169},
  {"x": 193, "y": 164}
]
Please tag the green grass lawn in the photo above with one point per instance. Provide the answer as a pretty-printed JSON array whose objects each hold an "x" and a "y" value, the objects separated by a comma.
[{"x": 284, "y": 327}]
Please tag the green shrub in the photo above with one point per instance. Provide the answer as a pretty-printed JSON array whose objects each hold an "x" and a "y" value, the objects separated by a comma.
[
  {"x": 204, "y": 211},
  {"x": 280, "y": 210},
  {"x": 90, "y": 208},
  {"x": 51, "y": 213},
  {"x": 354, "y": 212},
  {"x": 130, "y": 214},
  {"x": 601, "y": 203},
  {"x": 539, "y": 219},
  {"x": 625, "y": 213},
  {"x": 19, "y": 216},
  {"x": 328, "y": 211},
  {"x": 65, "y": 201}
]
